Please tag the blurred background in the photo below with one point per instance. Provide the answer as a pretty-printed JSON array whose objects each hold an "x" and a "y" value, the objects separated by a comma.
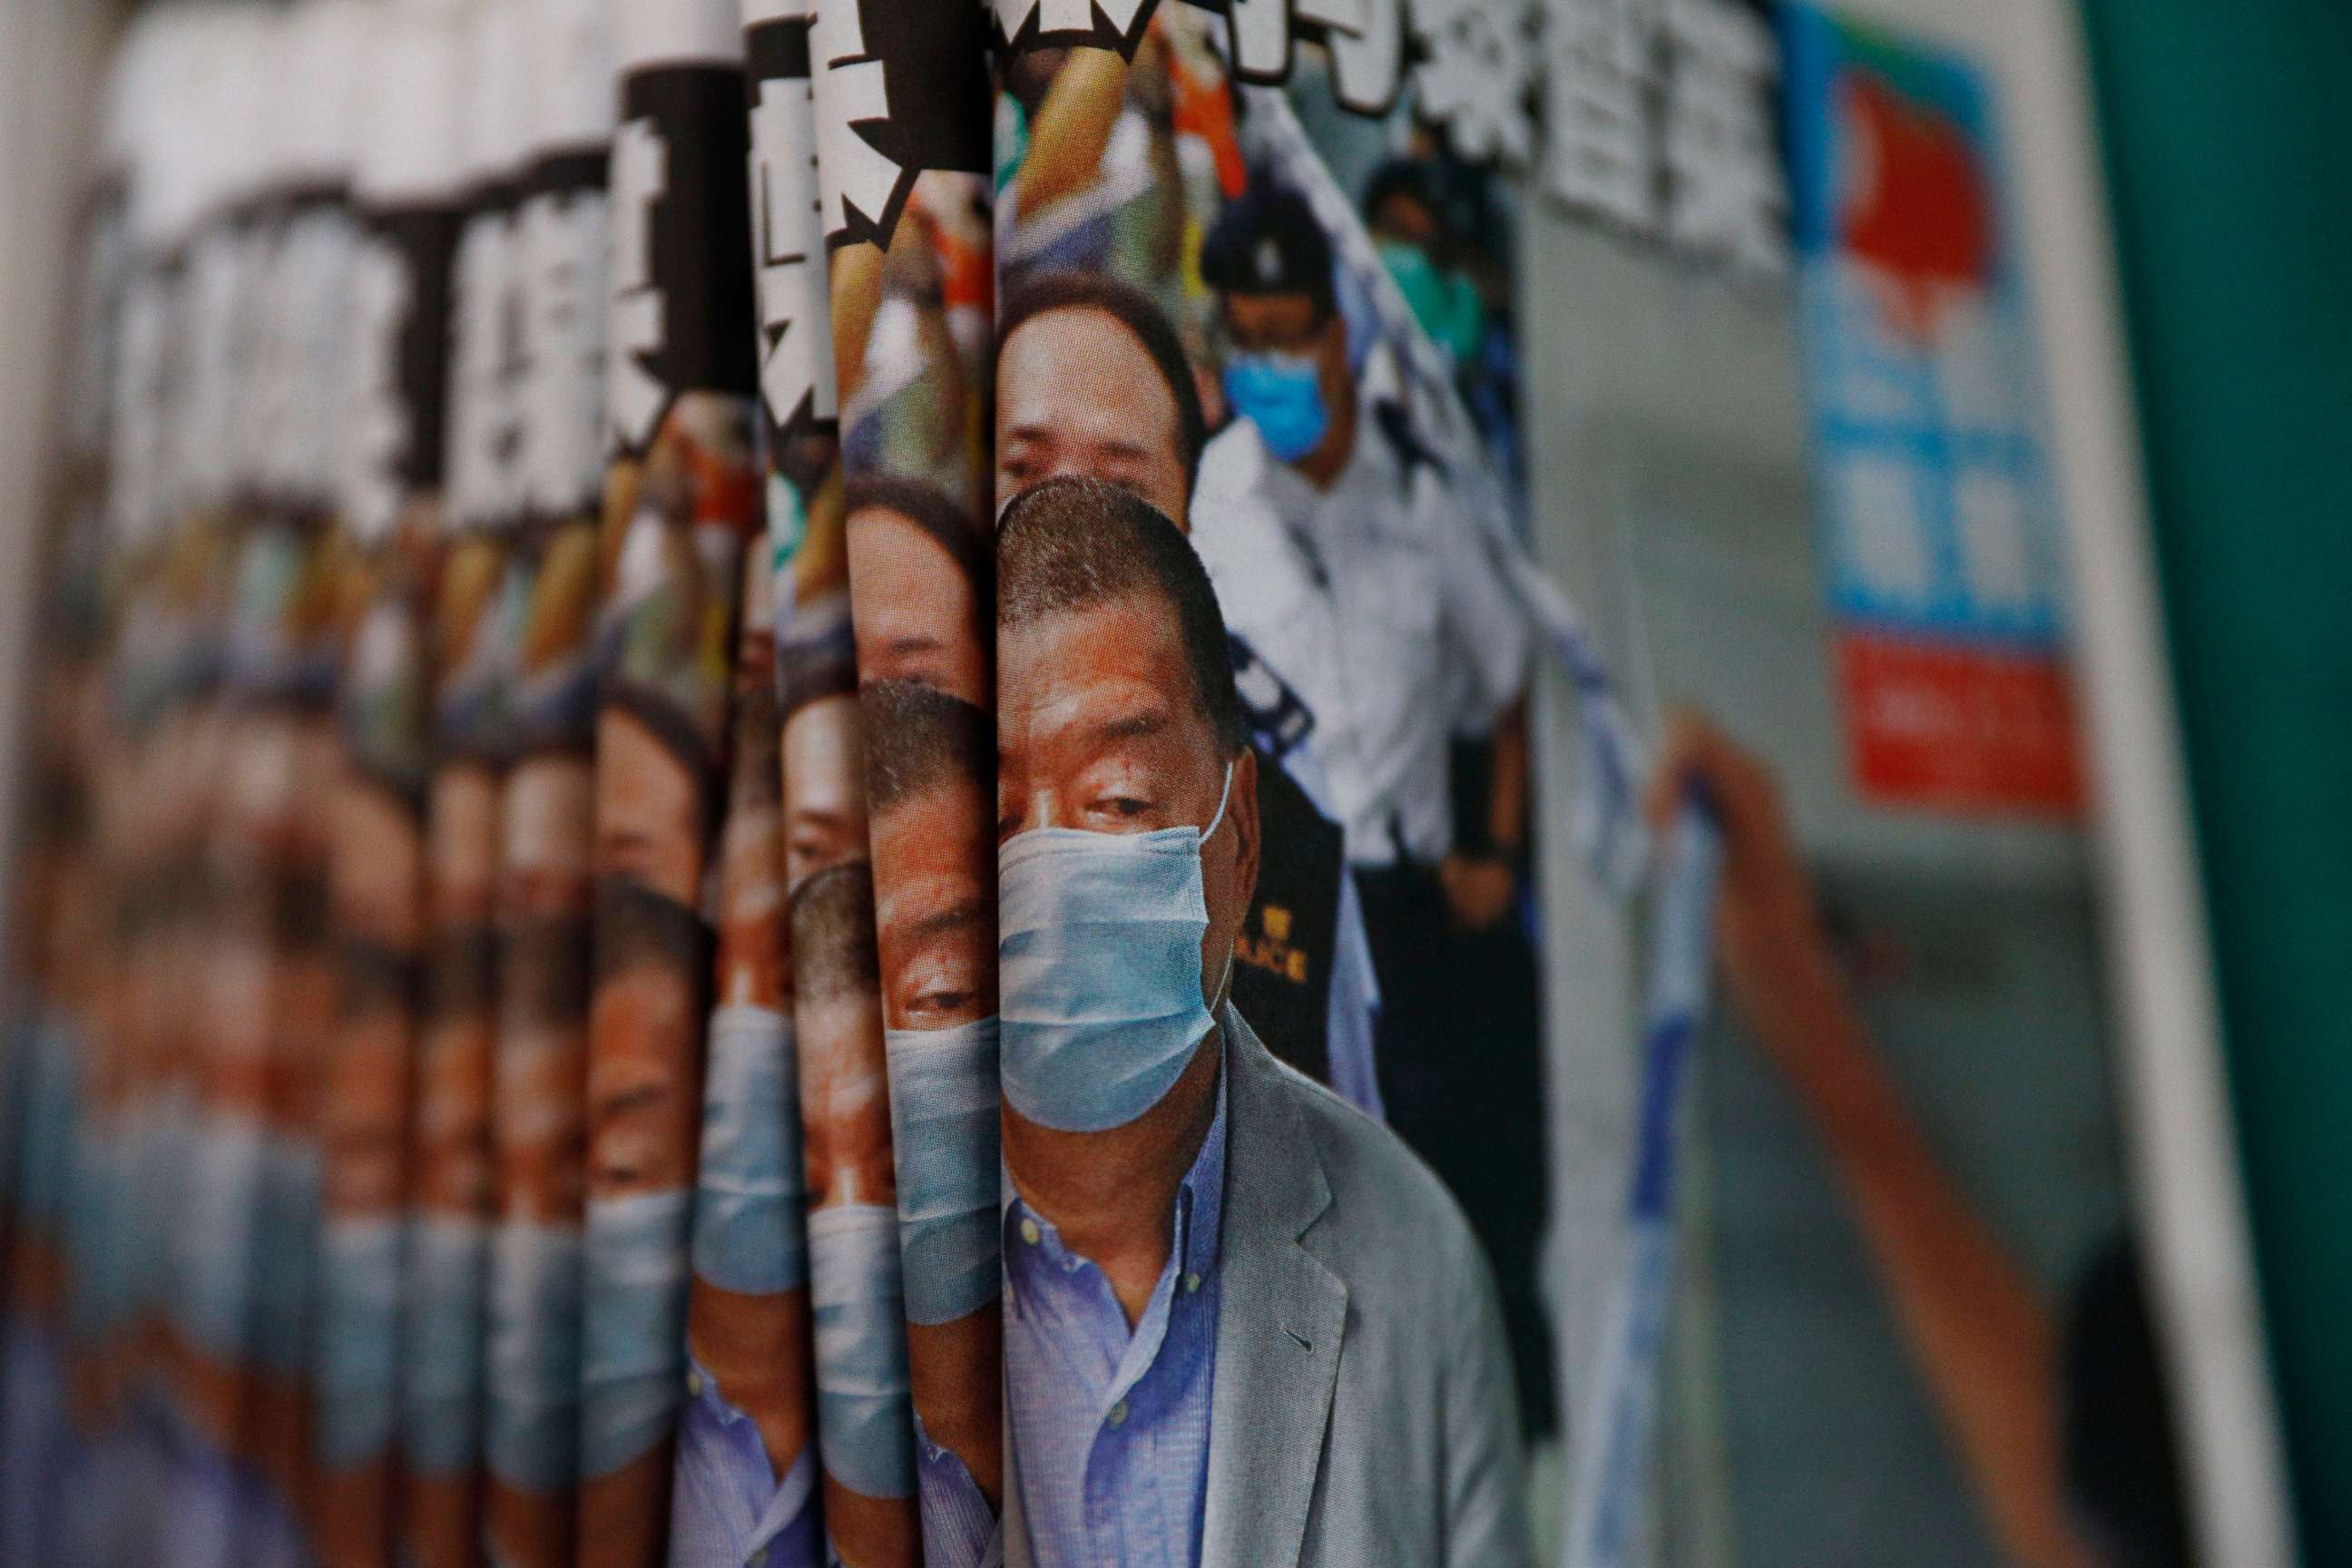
[{"x": 2112, "y": 1015}]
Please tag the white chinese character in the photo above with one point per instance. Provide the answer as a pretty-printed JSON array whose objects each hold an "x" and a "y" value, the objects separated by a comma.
[
  {"x": 796, "y": 366},
  {"x": 142, "y": 402},
  {"x": 850, "y": 90},
  {"x": 1726, "y": 198},
  {"x": 1062, "y": 16},
  {"x": 636, "y": 397},
  {"x": 375, "y": 429},
  {"x": 563, "y": 350},
  {"x": 480, "y": 412},
  {"x": 1475, "y": 78},
  {"x": 1601, "y": 57},
  {"x": 1367, "y": 52}
]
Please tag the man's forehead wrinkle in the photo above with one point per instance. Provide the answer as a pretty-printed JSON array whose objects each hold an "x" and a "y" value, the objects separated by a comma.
[
  {"x": 960, "y": 917},
  {"x": 954, "y": 890},
  {"x": 642, "y": 1088},
  {"x": 1134, "y": 726},
  {"x": 916, "y": 642},
  {"x": 1107, "y": 708}
]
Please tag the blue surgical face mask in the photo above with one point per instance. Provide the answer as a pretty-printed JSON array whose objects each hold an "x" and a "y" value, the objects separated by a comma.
[
  {"x": 944, "y": 1094},
  {"x": 213, "y": 1245},
  {"x": 441, "y": 1354},
  {"x": 163, "y": 1131},
  {"x": 1099, "y": 964},
  {"x": 632, "y": 1352},
  {"x": 531, "y": 1376},
  {"x": 94, "y": 1206},
  {"x": 357, "y": 1351},
  {"x": 748, "y": 1232},
  {"x": 52, "y": 1098},
  {"x": 286, "y": 1232},
  {"x": 864, "y": 1415},
  {"x": 1282, "y": 394}
]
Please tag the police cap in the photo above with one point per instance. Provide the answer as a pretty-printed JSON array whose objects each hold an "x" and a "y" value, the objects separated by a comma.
[{"x": 1269, "y": 242}]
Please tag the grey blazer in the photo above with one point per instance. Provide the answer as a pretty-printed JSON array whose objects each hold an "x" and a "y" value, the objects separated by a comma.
[{"x": 1363, "y": 1411}]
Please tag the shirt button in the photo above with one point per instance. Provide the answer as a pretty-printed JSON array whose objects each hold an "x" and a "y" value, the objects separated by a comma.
[
  {"x": 1119, "y": 1414},
  {"x": 693, "y": 1384},
  {"x": 1191, "y": 1283},
  {"x": 1030, "y": 1233}
]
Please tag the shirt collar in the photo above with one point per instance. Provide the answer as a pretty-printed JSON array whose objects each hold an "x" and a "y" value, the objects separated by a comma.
[
  {"x": 1199, "y": 1210},
  {"x": 793, "y": 1494},
  {"x": 793, "y": 1489}
]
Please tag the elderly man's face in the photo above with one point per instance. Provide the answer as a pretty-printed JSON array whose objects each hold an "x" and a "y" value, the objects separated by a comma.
[
  {"x": 825, "y": 784},
  {"x": 378, "y": 860},
  {"x": 845, "y": 1099},
  {"x": 453, "y": 1115},
  {"x": 1098, "y": 730},
  {"x": 541, "y": 1068},
  {"x": 648, "y": 808},
  {"x": 550, "y": 803},
  {"x": 644, "y": 1110},
  {"x": 1076, "y": 393},
  {"x": 935, "y": 908},
  {"x": 752, "y": 949},
  {"x": 239, "y": 966},
  {"x": 915, "y": 615},
  {"x": 361, "y": 1118},
  {"x": 463, "y": 842}
]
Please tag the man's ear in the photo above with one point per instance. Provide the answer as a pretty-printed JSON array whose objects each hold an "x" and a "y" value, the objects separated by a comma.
[
  {"x": 1242, "y": 808},
  {"x": 1341, "y": 373}
]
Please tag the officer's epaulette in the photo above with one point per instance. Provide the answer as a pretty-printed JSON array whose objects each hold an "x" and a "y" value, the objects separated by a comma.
[
  {"x": 1279, "y": 719},
  {"x": 1395, "y": 424}
]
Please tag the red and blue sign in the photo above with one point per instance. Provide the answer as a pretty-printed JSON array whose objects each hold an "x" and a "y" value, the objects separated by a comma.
[{"x": 1938, "y": 517}]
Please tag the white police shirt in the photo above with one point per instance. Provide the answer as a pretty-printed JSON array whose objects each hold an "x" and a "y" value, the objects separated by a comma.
[{"x": 1379, "y": 600}]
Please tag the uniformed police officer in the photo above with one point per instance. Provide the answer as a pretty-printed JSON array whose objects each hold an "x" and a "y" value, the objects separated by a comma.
[
  {"x": 1092, "y": 380},
  {"x": 1340, "y": 549}
]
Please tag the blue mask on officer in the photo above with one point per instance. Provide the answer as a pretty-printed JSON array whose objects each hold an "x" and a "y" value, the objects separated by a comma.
[
  {"x": 944, "y": 1092},
  {"x": 864, "y": 1404},
  {"x": 632, "y": 1347},
  {"x": 531, "y": 1435},
  {"x": 748, "y": 1232},
  {"x": 1282, "y": 394},
  {"x": 1098, "y": 961},
  {"x": 358, "y": 1349}
]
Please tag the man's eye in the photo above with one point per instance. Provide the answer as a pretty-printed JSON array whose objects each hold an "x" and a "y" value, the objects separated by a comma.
[
  {"x": 1123, "y": 806},
  {"x": 941, "y": 1000}
]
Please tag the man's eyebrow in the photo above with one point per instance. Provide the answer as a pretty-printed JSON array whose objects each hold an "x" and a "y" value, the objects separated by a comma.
[
  {"x": 373, "y": 1136},
  {"x": 957, "y": 917},
  {"x": 1134, "y": 727},
  {"x": 629, "y": 1097},
  {"x": 916, "y": 642}
]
